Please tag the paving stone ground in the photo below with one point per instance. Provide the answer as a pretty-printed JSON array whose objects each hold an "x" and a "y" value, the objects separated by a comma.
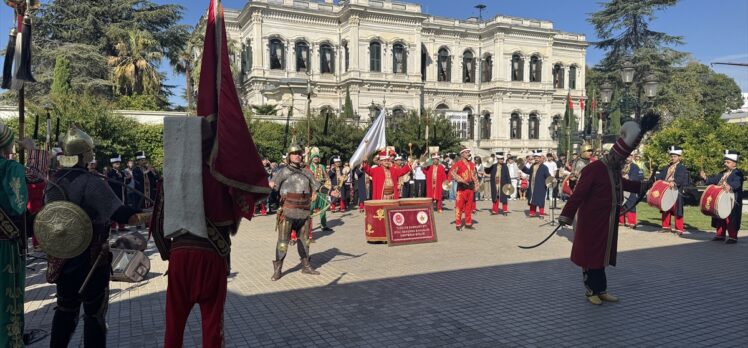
[{"x": 470, "y": 289}]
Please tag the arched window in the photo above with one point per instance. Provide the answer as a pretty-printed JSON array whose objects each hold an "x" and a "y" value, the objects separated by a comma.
[
  {"x": 517, "y": 67},
  {"x": 347, "y": 56},
  {"x": 246, "y": 67},
  {"x": 302, "y": 56},
  {"x": 470, "y": 123},
  {"x": 536, "y": 69},
  {"x": 555, "y": 127},
  {"x": 399, "y": 59},
  {"x": 375, "y": 56},
  {"x": 487, "y": 69},
  {"x": 424, "y": 62},
  {"x": 533, "y": 126},
  {"x": 441, "y": 109},
  {"x": 573, "y": 77},
  {"x": 558, "y": 76},
  {"x": 515, "y": 126},
  {"x": 445, "y": 65},
  {"x": 468, "y": 67},
  {"x": 277, "y": 61},
  {"x": 486, "y": 126},
  {"x": 398, "y": 114},
  {"x": 326, "y": 59}
]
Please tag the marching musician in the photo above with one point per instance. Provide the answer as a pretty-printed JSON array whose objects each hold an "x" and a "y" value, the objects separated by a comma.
[
  {"x": 676, "y": 175},
  {"x": 436, "y": 175},
  {"x": 337, "y": 181},
  {"x": 596, "y": 203},
  {"x": 298, "y": 189},
  {"x": 464, "y": 174},
  {"x": 384, "y": 177},
  {"x": 102, "y": 206},
  {"x": 13, "y": 200},
  {"x": 499, "y": 176},
  {"x": 145, "y": 178},
  {"x": 538, "y": 173},
  {"x": 117, "y": 182},
  {"x": 320, "y": 174},
  {"x": 731, "y": 180},
  {"x": 631, "y": 172}
]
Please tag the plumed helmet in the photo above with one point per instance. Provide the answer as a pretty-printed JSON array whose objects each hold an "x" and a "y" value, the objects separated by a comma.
[{"x": 77, "y": 142}]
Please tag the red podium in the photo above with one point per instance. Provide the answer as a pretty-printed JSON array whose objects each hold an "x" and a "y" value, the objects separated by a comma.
[{"x": 376, "y": 220}]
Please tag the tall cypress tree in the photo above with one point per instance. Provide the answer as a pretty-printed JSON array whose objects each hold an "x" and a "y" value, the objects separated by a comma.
[
  {"x": 348, "y": 109},
  {"x": 61, "y": 83}
]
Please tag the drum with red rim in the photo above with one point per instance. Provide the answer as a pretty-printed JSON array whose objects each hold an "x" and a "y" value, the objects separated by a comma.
[
  {"x": 661, "y": 196},
  {"x": 716, "y": 202}
]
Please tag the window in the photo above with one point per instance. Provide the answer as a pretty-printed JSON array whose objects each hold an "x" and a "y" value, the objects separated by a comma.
[
  {"x": 486, "y": 126},
  {"x": 573, "y": 77},
  {"x": 441, "y": 109},
  {"x": 276, "y": 55},
  {"x": 399, "y": 59},
  {"x": 533, "y": 127},
  {"x": 515, "y": 127},
  {"x": 470, "y": 122},
  {"x": 424, "y": 62},
  {"x": 302, "y": 57},
  {"x": 375, "y": 57},
  {"x": 486, "y": 69},
  {"x": 459, "y": 121},
  {"x": 558, "y": 76},
  {"x": 326, "y": 59},
  {"x": 535, "y": 69},
  {"x": 555, "y": 127},
  {"x": 246, "y": 61},
  {"x": 517, "y": 66},
  {"x": 347, "y": 56},
  {"x": 445, "y": 65},
  {"x": 468, "y": 67}
]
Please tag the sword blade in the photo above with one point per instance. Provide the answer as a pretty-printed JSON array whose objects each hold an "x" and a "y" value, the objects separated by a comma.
[{"x": 543, "y": 241}]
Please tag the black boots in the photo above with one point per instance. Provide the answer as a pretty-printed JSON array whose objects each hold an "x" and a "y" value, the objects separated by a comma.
[
  {"x": 307, "y": 268},
  {"x": 277, "y": 270}
]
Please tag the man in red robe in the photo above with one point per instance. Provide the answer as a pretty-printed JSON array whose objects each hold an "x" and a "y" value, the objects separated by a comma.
[
  {"x": 384, "y": 177},
  {"x": 596, "y": 203},
  {"x": 435, "y": 176},
  {"x": 463, "y": 171}
]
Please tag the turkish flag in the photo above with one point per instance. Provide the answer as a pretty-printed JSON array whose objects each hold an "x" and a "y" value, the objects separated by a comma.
[
  {"x": 581, "y": 105},
  {"x": 233, "y": 177},
  {"x": 571, "y": 103}
]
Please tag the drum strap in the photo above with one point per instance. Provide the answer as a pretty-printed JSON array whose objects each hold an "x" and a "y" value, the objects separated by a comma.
[
  {"x": 670, "y": 172},
  {"x": 724, "y": 177},
  {"x": 7, "y": 227}
]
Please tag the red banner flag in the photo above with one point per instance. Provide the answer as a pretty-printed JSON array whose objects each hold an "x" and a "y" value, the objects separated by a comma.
[
  {"x": 581, "y": 105},
  {"x": 571, "y": 102},
  {"x": 233, "y": 177}
]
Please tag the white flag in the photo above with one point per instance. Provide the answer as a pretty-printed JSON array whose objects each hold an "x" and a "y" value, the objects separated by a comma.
[{"x": 374, "y": 139}]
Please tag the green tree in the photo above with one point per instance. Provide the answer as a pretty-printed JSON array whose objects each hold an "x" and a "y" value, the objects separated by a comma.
[
  {"x": 568, "y": 130},
  {"x": 61, "y": 85},
  {"x": 265, "y": 109},
  {"x": 134, "y": 65},
  {"x": 342, "y": 138},
  {"x": 412, "y": 130},
  {"x": 268, "y": 137},
  {"x": 348, "y": 108}
]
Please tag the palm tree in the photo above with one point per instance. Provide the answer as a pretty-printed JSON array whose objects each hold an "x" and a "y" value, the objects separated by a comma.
[{"x": 135, "y": 65}]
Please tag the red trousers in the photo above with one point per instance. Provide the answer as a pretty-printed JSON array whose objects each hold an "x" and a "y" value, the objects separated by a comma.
[
  {"x": 438, "y": 204},
  {"x": 263, "y": 209},
  {"x": 464, "y": 204},
  {"x": 196, "y": 276},
  {"x": 679, "y": 225},
  {"x": 630, "y": 218},
  {"x": 532, "y": 210},
  {"x": 724, "y": 225},
  {"x": 495, "y": 208}
]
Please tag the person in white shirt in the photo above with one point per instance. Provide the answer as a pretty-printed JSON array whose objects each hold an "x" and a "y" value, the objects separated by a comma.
[
  {"x": 420, "y": 179},
  {"x": 513, "y": 175},
  {"x": 552, "y": 168}
]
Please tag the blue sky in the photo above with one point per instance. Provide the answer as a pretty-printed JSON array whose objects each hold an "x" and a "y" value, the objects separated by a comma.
[{"x": 712, "y": 30}]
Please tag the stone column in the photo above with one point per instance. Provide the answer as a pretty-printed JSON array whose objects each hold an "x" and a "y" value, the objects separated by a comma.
[{"x": 258, "y": 45}]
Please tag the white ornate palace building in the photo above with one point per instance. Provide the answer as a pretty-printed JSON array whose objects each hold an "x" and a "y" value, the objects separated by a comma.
[{"x": 502, "y": 81}]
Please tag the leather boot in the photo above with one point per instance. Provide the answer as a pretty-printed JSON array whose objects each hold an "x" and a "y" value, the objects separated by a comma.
[
  {"x": 277, "y": 270},
  {"x": 307, "y": 268}
]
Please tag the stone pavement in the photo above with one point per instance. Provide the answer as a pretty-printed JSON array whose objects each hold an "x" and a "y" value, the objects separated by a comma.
[{"x": 471, "y": 288}]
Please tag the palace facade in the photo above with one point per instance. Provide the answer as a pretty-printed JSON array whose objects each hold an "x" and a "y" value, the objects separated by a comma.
[{"x": 503, "y": 81}]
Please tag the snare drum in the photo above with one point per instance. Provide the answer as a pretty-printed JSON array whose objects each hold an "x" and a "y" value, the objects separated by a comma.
[
  {"x": 716, "y": 202},
  {"x": 661, "y": 196}
]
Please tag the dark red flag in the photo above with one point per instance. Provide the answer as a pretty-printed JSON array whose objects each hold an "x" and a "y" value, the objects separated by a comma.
[{"x": 233, "y": 178}]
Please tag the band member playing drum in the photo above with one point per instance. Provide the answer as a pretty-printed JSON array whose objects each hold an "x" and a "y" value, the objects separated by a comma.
[
  {"x": 463, "y": 172},
  {"x": 731, "y": 181},
  {"x": 677, "y": 177},
  {"x": 436, "y": 175},
  {"x": 630, "y": 172},
  {"x": 297, "y": 188},
  {"x": 536, "y": 191},
  {"x": 499, "y": 176},
  {"x": 384, "y": 177},
  {"x": 596, "y": 205}
]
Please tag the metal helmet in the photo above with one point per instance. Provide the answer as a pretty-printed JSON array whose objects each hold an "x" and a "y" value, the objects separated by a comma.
[
  {"x": 77, "y": 142},
  {"x": 586, "y": 147},
  {"x": 295, "y": 148}
]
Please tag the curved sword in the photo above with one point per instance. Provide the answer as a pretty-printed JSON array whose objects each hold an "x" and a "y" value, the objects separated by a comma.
[{"x": 544, "y": 240}]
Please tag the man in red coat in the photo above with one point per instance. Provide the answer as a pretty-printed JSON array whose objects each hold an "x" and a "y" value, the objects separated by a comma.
[
  {"x": 596, "y": 203},
  {"x": 463, "y": 171},
  {"x": 384, "y": 177},
  {"x": 435, "y": 176}
]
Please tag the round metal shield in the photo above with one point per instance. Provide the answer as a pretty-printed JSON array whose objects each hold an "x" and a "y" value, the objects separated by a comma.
[
  {"x": 508, "y": 189},
  {"x": 63, "y": 229}
]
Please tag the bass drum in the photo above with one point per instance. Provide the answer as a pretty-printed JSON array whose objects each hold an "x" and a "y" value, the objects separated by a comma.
[
  {"x": 716, "y": 202},
  {"x": 661, "y": 196}
]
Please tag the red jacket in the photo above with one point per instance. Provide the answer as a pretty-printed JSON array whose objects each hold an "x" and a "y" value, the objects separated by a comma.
[
  {"x": 377, "y": 178},
  {"x": 434, "y": 187},
  {"x": 465, "y": 170},
  {"x": 596, "y": 208}
]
